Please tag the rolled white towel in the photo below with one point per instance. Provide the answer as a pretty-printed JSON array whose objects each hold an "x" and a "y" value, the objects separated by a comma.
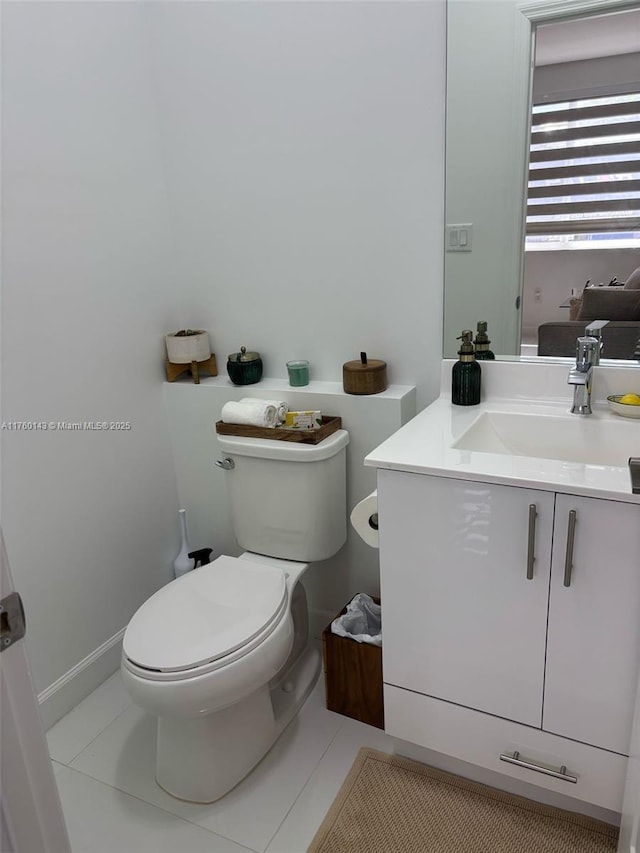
[
  {"x": 260, "y": 414},
  {"x": 282, "y": 407}
]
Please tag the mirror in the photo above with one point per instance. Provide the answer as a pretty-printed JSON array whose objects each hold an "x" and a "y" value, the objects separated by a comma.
[{"x": 490, "y": 80}]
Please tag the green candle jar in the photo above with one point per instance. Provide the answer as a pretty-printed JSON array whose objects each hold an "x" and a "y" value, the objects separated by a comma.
[{"x": 298, "y": 372}]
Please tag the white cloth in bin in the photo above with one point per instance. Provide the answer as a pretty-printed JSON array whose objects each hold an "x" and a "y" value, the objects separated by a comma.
[{"x": 362, "y": 621}]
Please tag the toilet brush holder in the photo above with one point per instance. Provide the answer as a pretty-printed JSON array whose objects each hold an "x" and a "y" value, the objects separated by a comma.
[{"x": 183, "y": 563}]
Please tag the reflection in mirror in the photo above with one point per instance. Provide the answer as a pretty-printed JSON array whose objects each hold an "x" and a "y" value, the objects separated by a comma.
[{"x": 577, "y": 62}]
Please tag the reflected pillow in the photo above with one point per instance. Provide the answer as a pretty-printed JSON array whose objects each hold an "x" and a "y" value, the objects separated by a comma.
[
  {"x": 575, "y": 304},
  {"x": 633, "y": 282},
  {"x": 603, "y": 303}
]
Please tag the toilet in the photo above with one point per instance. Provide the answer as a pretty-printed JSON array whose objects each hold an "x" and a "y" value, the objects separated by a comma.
[{"x": 221, "y": 655}]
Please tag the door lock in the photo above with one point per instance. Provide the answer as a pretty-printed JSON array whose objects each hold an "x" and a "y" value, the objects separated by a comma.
[{"x": 12, "y": 620}]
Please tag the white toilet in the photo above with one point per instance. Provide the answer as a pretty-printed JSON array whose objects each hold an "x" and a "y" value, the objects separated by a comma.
[{"x": 221, "y": 655}]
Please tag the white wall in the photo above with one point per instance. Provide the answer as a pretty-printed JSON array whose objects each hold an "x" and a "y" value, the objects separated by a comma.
[
  {"x": 305, "y": 146},
  {"x": 90, "y": 517},
  {"x": 272, "y": 172}
]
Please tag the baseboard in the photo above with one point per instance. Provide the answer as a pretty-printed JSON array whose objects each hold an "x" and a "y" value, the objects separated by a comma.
[{"x": 76, "y": 684}]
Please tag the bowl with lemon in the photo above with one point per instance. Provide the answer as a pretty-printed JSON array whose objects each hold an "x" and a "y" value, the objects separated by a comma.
[{"x": 627, "y": 405}]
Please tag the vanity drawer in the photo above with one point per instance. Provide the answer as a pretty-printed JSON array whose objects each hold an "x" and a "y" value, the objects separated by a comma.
[{"x": 480, "y": 739}]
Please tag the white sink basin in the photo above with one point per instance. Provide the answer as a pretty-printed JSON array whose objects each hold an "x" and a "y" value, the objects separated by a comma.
[{"x": 591, "y": 440}]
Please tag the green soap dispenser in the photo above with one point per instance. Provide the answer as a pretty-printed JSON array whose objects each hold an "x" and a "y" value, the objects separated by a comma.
[
  {"x": 482, "y": 342},
  {"x": 466, "y": 374}
]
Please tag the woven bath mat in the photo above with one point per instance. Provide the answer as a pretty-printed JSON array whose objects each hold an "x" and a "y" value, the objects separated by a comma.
[{"x": 389, "y": 804}]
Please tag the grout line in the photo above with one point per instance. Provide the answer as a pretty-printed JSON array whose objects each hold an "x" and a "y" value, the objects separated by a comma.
[
  {"x": 69, "y": 766},
  {"x": 163, "y": 810},
  {"x": 95, "y": 737},
  {"x": 300, "y": 792}
]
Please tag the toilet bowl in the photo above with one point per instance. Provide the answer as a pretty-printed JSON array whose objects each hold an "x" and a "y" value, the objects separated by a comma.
[
  {"x": 221, "y": 655},
  {"x": 221, "y": 696}
]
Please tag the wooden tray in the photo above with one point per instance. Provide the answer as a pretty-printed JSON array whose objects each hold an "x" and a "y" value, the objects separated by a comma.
[{"x": 303, "y": 436}]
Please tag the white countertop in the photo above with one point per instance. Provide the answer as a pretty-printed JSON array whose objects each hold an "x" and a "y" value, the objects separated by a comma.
[{"x": 423, "y": 446}]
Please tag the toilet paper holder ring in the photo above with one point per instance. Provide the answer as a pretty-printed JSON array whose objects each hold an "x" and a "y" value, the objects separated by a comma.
[{"x": 364, "y": 519}]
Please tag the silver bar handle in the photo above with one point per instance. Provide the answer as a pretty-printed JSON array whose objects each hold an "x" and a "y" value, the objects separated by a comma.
[
  {"x": 634, "y": 471},
  {"x": 531, "y": 543},
  {"x": 568, "y": 560},
  {"x": 514, "y": 758}
]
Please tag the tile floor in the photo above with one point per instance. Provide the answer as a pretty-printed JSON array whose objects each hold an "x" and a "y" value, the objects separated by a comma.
[{"x": 103, "y": 754}]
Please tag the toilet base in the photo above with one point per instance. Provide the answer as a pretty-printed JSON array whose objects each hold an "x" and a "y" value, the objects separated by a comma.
[{"x": 201, "y": 759}]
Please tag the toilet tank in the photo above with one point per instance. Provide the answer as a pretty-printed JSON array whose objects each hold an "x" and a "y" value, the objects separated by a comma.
[{"x": 288, "y": 499}]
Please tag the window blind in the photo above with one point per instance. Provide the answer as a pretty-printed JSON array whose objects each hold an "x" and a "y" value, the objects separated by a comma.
[{"x": 584, "y": 169}]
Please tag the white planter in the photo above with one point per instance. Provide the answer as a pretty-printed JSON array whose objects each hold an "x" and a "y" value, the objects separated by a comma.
[{"x": 183, "y": 349}]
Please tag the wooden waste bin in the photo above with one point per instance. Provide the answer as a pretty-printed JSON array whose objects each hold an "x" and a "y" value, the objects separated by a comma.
[{"x": 353, "y": 677}]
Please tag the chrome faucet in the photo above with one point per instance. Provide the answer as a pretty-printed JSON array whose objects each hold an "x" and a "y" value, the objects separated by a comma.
[
  {"x": 580, "y": 376},
  {"x": 594, "y": 330}
]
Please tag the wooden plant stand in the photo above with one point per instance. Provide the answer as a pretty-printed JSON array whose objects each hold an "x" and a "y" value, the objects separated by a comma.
[{"x": 174, "y": 370}]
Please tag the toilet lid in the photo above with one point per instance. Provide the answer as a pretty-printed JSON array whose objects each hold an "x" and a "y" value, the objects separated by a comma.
[{"x": 206, "y": 614}]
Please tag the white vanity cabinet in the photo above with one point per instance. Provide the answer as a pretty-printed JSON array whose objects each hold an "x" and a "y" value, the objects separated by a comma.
[
  {"x": 593, "y": 643},
  {"x": 498, "y": 638},
  {"x": 462, "y": 621}
]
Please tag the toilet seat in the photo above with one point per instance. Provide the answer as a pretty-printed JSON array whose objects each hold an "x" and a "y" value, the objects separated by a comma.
[{"x": 206, "y": 619}]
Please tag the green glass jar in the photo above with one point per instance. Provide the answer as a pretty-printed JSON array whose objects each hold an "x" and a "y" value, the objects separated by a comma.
[{"x": 244, "y": 368}]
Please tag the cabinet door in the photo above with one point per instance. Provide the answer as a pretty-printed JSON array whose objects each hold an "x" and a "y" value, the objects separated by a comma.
[
  {"x": 593, "y": 650},
  {"x": 461, "y": 620}
]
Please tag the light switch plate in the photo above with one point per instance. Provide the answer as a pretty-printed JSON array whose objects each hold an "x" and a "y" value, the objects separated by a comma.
[{"x": 458, "y": 238}]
